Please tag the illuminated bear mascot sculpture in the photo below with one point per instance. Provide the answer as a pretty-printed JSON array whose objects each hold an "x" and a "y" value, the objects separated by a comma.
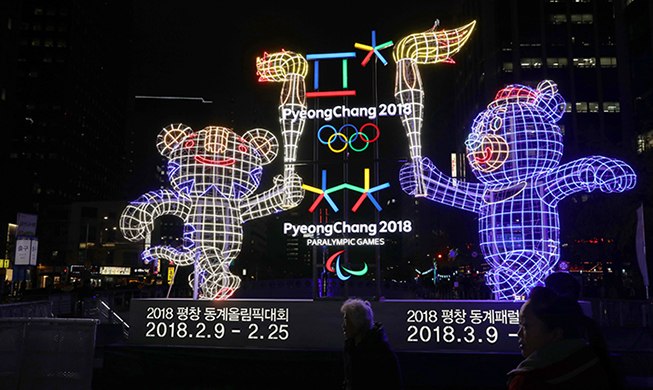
[
  {"x": 213, "y": 173},
  {"x": 514, "y": 150}
]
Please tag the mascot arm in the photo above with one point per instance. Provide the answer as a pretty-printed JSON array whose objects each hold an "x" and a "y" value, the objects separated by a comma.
[
  {"x": 588, "y": 174},
  {"x": 272, "y": 200},
  {"x": 441, "y": 188},
  {"x": 137, "y": 220}
]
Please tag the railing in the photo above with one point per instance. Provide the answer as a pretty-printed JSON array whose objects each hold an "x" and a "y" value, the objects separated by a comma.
[
  {"x": 46, "y": 353},
  {"x": 42, "y": 309},
  {"x": 622, "y": 313}
]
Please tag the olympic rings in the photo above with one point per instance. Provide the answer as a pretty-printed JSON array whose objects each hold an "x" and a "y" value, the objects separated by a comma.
[{"x": 348, "y": 141}]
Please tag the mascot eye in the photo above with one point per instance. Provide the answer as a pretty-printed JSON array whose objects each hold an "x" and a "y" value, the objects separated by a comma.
[
  {"x": 242, "y": 148},
  {"x": 496, "y": 123},
  {"x": 191, "y": 142}
]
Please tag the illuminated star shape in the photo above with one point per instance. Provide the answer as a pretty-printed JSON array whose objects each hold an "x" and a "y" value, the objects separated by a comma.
[{"x": 374, "y": 49}]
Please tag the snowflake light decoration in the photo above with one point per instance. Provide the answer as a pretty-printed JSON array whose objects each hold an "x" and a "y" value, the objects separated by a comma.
[{"x": 514, "y": 150}]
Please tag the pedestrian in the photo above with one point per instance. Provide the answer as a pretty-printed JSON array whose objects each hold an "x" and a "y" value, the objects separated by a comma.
[
  {"x": 369, "y": 361},
  {"x": 563, "y": 348},
  {"x": 564, "y": 284}
]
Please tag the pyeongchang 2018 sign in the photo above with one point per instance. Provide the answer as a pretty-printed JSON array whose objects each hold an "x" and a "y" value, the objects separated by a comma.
[{"x": 349, "y": 138}]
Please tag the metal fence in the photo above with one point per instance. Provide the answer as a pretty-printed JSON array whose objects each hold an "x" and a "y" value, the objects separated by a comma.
[
  {"x": 46, "y": 353},
  {"x": 27, "y": 309},
  {"x": 622, "y": 313}
]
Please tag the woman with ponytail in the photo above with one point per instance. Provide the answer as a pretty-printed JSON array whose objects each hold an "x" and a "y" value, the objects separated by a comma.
[{"x": 563, "y": 348}]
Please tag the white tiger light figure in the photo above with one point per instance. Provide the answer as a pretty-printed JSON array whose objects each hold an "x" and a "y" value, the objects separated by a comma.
[{"x": 213, "y": 174}]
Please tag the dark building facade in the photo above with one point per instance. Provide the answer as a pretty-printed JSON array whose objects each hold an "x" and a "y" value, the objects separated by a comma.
[
  {"x": 65, "y": 83},
  {"x": 598, "y": 52}
]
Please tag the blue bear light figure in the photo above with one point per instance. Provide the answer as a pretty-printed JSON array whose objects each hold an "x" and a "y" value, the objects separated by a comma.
[
  {"x": 514, "y": 150},
  {"x": 213, "y": 174}
]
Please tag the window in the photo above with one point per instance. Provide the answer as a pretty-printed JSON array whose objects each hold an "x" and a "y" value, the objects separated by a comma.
[
  {"x": 608, "y": 62},
  {"x": 556, "y": 62},
  {"x": 558, "y": 19},
  {"x": 582, "y": 18},
  {"x": 531, "y": 63},
  {"x": 645, "y": 142},
  {"x": 585, "y": 62},
  {"x": 507, "y": 67},
  {"x": 611, "y": 107},
  {"x": 594, "y": 107},
  {"x": 581, "y": 107}
]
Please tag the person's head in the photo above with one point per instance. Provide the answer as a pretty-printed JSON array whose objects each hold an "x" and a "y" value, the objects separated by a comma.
[
  {"x": 358, "y": 317},
  {"x": 547, "y": 318},
  {"x": 564, "y": 284}
]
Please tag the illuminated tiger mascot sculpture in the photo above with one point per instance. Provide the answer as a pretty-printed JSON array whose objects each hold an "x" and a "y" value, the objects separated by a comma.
[{"x": 214, "y": 173}]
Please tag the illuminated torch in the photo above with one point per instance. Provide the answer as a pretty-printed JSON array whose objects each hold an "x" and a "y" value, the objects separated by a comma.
[
  {"x": 290, "y": 69},
  {"x": 429, "y": 47}
]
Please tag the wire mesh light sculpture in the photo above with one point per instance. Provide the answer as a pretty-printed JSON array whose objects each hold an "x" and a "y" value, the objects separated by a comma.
[
  {"x": 514, "y": 150},
  {"x": 213, "y": 173},
  {"x": 429, "y": 47},
  {"x": 290, "y": 69}
]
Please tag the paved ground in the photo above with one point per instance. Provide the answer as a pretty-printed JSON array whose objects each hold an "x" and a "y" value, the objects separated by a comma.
[{"x": 215, "y": 368}]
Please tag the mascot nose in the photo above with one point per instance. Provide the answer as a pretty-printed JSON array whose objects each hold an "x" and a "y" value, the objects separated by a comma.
[
  {"x": 216, "y": 140},
  {"x": 474, "y": 141}
]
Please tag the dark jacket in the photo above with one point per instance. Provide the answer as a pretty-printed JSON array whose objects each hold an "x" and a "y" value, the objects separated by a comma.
[
  {"x": 372, "y": 364},
  {"x": 568, "y": 364}
]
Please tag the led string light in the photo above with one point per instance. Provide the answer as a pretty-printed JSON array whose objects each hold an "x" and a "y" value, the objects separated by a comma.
[
  {"x": 347, "y": 141},
  {"x": 374, "y": 50},
  {"x": 316, "y": 74},
  {"x": 290, "y": 69},
  {"x": 338, "y": 269},
  {"x": 429, "y": 47},
  {"x": 366, "y": 193},
  {"x": 514, "y": 150},
  {"x": 214, "y": 173}
]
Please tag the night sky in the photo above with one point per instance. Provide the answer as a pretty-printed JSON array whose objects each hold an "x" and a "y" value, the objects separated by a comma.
[{"x": 202, "y": 48}]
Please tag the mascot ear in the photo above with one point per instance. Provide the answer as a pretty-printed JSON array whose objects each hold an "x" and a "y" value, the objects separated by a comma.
[
  {"x": 549, "y": 100},
  {"x": 264, "y": 142},
  {"x": 170, "y": 136}
]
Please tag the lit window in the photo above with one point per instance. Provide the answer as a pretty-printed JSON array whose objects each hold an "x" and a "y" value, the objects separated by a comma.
[
  {"x": 585, "y": 62},
  {"x": 611, "y": 107},
  {"x": 556, "y": 62},
  {"x": 608, "y": 62},
  {"x": 528, "y": 63},
  {"x": 581, "y": 107},
  {"x": 507, "y": 67},
  {"x": 558, "y": 19},
  {"x": 582, "y": 18},
  {"x": 594, "y": 107}
]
